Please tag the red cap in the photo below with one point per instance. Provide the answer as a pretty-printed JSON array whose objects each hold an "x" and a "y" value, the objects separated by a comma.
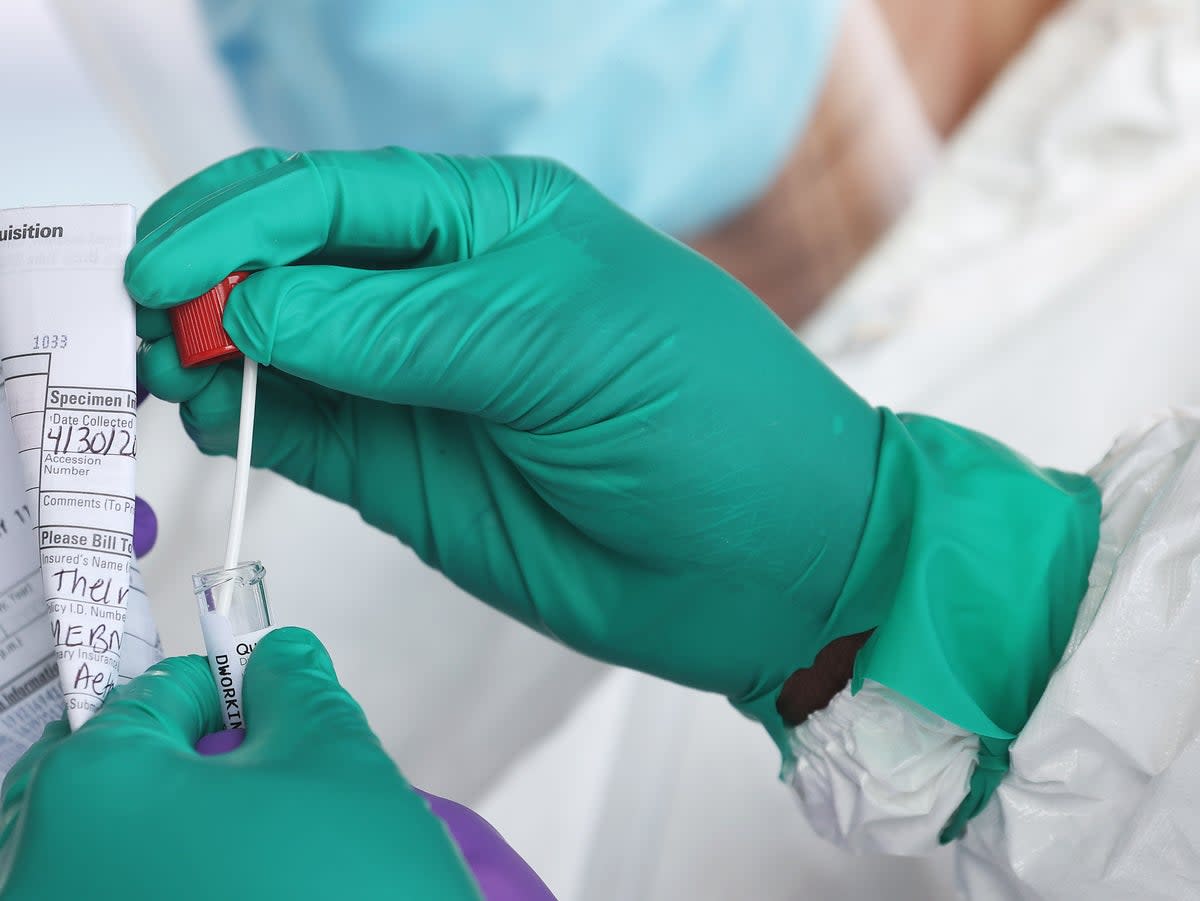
[{"x": 199, "y": 336}]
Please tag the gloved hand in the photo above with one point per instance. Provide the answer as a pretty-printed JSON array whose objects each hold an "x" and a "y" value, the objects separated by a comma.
[
  {"x": 597, "y": 431},
  {"x": 309, "y": 806},
  {"x": 498, "y": 870},
  {"x": 578, "y": 420}
]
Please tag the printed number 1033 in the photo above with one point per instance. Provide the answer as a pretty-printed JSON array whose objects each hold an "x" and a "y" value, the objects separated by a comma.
[{"x": 49, "y": 342}]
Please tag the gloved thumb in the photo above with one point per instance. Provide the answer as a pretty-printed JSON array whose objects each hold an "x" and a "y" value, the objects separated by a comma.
[
  {"x": 173, "y": 701},
  {"x": 292, "y": 695}
]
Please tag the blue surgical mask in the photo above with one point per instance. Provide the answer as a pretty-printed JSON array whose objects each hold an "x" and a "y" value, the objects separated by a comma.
[{"x": 681, "y": 110}]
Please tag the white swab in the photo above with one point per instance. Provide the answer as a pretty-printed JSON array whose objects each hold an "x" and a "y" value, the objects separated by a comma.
[{"x": 241, "y": 478}]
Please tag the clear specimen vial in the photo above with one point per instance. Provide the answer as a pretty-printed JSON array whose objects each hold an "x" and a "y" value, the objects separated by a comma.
[{"x": 234, "y": 615}]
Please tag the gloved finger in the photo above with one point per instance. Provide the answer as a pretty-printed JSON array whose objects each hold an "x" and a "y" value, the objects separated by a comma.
[
  {"x": 18, "y": 776},
  {"x": 441, "y": 463},
  {"x": 16, "y": 781},
  {"x": 449, "y": 338},
  {"x": 159, "y": 369},
  {"x": 388, "y": 207},
  {"x": 292, "y": 695},
  {"x": 152, "y": 324},
  {"x": 303, "y": 432},
  {"x": 214, "y": 178},
  {"x": 174, "y": 702}
]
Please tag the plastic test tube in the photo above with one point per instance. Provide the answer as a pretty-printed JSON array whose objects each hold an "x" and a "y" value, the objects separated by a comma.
[{"x": 230, "y": 637}]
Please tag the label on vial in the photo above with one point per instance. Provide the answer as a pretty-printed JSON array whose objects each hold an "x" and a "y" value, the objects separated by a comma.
[{"x": 227, "y": 657}]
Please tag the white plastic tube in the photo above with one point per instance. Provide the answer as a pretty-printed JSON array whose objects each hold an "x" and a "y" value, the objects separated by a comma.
[{"x": 241, "y": 478}]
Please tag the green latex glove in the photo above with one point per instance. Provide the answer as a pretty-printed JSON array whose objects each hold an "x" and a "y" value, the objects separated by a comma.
[
  {"x": 602, "y": 434},
  {"x": 309, "y": 806},
  {"x": 577, "y": 419}
]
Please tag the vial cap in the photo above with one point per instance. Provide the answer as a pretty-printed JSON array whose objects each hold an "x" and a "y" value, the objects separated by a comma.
[{"x": 200, "y": 337}]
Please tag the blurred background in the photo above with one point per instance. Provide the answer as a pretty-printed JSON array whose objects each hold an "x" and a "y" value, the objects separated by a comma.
[{"x": 979, "y": 209}]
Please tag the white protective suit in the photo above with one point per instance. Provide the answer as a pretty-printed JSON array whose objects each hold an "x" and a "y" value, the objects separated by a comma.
[
  {"x": 1079, "y": 176},
  {"x": 1040, "y": 290},
  {"x": 1102, "y": 800}
]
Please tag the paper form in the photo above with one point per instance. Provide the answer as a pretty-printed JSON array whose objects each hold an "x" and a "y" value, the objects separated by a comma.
[
  {"x": 67, "y": 349},
  {"x": 30, "y": 695}
]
